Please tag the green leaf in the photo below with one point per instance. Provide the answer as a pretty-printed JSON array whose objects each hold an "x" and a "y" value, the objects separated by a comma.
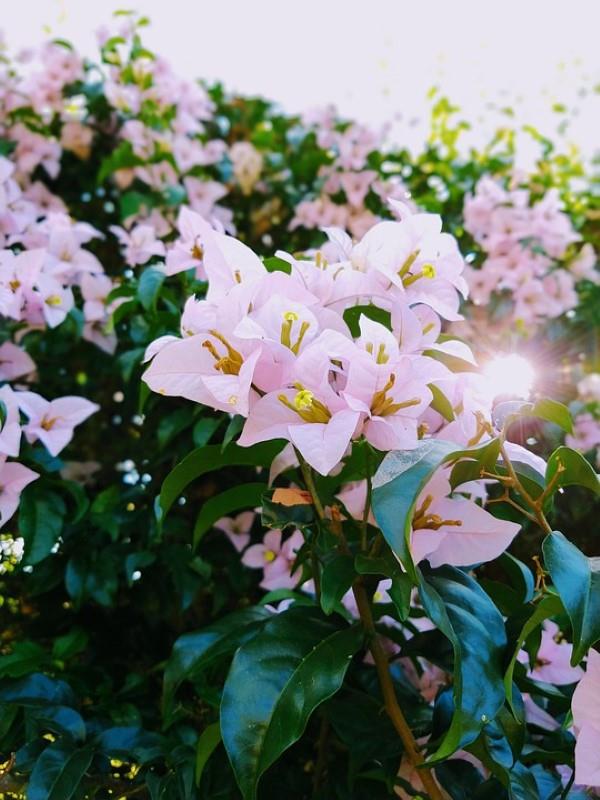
[
  {"x": 207, "y": 744},
  {"x": 572, "y": 469},
  {"x": 24, "y": 658},
  {"x": 396, "y": 486},
  {"x": 130, "y": 742},
  {"x": 151, "y": 280},
  {"x": 546, "y": 608},
  {"x": 454, "y": 363},
  {"x": 400, "y": 591},
  {"x": 353, "y": 314},
  {"x": 275, "y": 264},
  {"x": 35, "y": 690},
  {"x": 577, "y": 581},
  {"x": 204, "y": 429},
  {"x": 194, "y": 652},
  {"x": 552, "y": 411},
  {"x": 40, "y": 522},
  {"x": 207, "y": 459},
  {"x": 336, "y": 578},
  {"x": 246, "y": 495},
  {"x": 440, "y": 403},
  {"x": 58, "y": 772},
  {"x": 234, "y": 427},
  {"x": 464, "y": 613},
  {"x": 61, "y": 720},
  {"x": 70, "y": 644},
  {"x": 276, "y": 680},
  {"x": 130, "y": 203}
]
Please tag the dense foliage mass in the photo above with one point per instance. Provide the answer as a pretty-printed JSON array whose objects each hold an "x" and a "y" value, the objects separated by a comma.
[{"x": 275, "y": 519}]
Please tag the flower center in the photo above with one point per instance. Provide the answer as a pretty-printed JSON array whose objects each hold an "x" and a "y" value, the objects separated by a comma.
[
  {"x": 53, "y": 300},
  {"x": 384, "y": 406},
  {"x": 48, "y": 423},
  {"x": 269, "y": 556},
  {"x": 432, "y": 522},
  {"x": 426, "y": 271},
  {"x": 197, "y": 251},
  {"x": 306, "y": 405},
  {"x": 229, "y": 364},
  {"x": 289, "y": 317},
  {"x": 381, "y": 357}
]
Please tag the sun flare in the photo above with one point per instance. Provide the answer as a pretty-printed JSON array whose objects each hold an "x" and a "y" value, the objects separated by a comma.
[{"x": 510, "y": 374}]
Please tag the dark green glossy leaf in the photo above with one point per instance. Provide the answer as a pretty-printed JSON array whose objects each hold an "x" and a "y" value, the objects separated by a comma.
[
  {"x": 401, "y": 589},
  {"x": 467, "y": 617},
  {"x": 577, "y": 581},
  {"x": 336, "y": 578},
  {"x": 207, "y": 459},
  {"x": 276, "y": 681},
  {"x": 246, "y": 495},
  {"x": 58, "y": 772},
  {"x": 546, "y": 608},
  {"x": 194, "y": 652},
  {"x": 36, "y": 689},
  {"x": 396, "y": 486},
  {"x": 40, "y": 522}
]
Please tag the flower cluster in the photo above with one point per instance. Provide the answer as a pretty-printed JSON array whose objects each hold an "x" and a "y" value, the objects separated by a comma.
[
  {"x": 50, "y": 422},
  {"x": 347, "y": 180},
  {"x": 586, "y": 427},
  {"x": 277, "y": 349},
  {"x": 529, "y": 251}
]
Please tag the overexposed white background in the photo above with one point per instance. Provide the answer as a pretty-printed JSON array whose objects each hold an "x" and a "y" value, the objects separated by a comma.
[{"x": 375, "y": 59}]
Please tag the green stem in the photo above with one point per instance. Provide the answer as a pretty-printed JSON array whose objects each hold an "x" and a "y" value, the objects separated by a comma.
[
  {"x": 392, "y": 707},
  {"x": 534, "y": 505}
]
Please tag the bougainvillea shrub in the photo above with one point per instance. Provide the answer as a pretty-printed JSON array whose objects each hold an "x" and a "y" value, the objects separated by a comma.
[{"x": 284, "y": 508}]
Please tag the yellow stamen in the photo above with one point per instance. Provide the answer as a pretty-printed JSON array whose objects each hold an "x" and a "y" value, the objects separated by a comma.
[
  {"x": 408, "y": 263},
  {"x": 53, "y": 300},
  {"x": 289, "y": 318},
  {"x": 306, "y": 406},
  {"x": 428, "y": 271},
  {"x": 384, "y": 406},
  {"x": 269, "y": 556},
  {"x": 432, "y": 522},
  {"x": 48, "y": 423},
  {"x": 229, "y": 364}
]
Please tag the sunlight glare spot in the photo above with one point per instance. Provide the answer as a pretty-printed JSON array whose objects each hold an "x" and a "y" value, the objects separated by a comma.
[{"x": 509, "y": 374}]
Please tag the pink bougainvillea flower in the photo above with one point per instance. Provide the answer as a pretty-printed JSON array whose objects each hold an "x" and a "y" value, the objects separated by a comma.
[
  {"x": 275, "y": 558},
  {"x": 139, "y": 244},
  {"x": 207, "y": 368},
  {"x": 56, "y": 300},
  {"x": 553, "y": 659},
  {"x": 586, "y": 721},
  {"x": 14, "y": 362},
  {"x": 456, "y": 531},
  {"x": 14, "y": 477},
  {"x": 10, "y": 428},
  {"x": 535, "y": 715},
  {"x": 237, "y": 529},
  {"x": 53, "y": 421},
  {"x": 188, "y": 250},
  {"x": 308, "y": 413}
]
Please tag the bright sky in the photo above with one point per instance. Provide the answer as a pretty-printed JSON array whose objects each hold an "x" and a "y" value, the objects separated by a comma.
[{"x": 375, "y": 59}]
